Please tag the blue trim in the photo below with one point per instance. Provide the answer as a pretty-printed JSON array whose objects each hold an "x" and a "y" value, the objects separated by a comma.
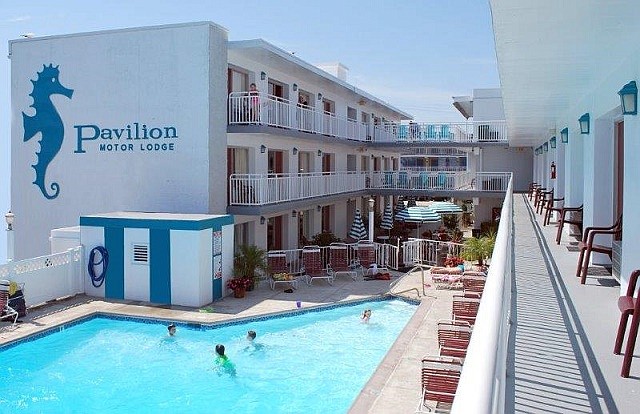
[
  {"x": 160, "y": 266},
  {"x": 114, "y": 282},
  {"x": 202, "y": 326},
  {"x": 214, "y": 223},
  {"x": 217, "y": 288}
]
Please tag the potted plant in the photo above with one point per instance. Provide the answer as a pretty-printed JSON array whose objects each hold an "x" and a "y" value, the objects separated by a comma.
[
  {"x": 239, "y": 286},
  {"x": 478, "y": 249},
  {"x": 248, "y": 261}
]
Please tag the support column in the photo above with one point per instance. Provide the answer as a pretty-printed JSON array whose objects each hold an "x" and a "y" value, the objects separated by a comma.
[
  {"x": 341, "y": 227},
  {"x": 573, "y": 154},
  {"x": 631, "y": 226},
  {"x": 259, "y": 233}
]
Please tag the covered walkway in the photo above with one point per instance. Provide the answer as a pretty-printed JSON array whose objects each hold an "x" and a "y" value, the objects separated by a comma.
[{"x": 561, "y": 344}]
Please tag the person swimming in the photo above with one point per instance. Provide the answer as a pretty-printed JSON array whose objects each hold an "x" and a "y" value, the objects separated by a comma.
[
  {"x": 223, "y": 363},
  {"x": 172, "y": 329},
  {"x": 366, "y": 315}
]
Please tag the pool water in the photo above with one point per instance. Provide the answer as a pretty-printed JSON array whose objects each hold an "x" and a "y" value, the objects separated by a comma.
[{"x": 315, "y": 362}]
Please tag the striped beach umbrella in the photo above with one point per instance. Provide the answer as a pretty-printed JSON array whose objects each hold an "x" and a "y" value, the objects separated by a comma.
[
  {"x": 445, "y": 207},
  {"x": 387, "y": 218},
  {"x": 400, "y": 205},
  {"x": 358, "y": 231},
  {"x": 418, "y": 215},
  {"x": 411, "y": 202}
]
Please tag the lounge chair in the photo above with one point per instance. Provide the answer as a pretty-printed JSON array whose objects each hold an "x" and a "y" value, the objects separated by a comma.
[
  {"x": 629, "y": 306},
  {"x": 6, "y": 311},
  {"x": 446, "y": 277},
  {"x": 453, "y": 338},
  {"x": 587, "y": 246},
  {"x": 366, "y": 257},
  {"x": 279, "y": 270},
  {"x": 473, "y": 284},
  {"x": 440, "y": 377},
  {"x": 312, "y": 265},
  {"x": 339, "y": 263},
  {"x": 465, "y": 309}
]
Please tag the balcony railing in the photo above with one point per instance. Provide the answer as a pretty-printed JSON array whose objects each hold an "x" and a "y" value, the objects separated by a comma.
[
  {"x": 247, "y": 108},
  {"x": 424, "y": 251},
  {"x": 261, "y": 189},
  {"x": 482, "y": 383},
  {"x": 445, "y": 168}
]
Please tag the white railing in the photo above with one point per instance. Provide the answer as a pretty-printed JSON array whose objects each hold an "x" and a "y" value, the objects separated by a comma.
[
  {"x": 47, "y": 278},
  {"x": 257, "y": 108},
  {"x": 260, "y": 189},
  {"x": 443, "y": 168},
  {"x": 482, "y": 384},
  {"x": 386, "y": 256},
  {"x": 426, "y": 252}
]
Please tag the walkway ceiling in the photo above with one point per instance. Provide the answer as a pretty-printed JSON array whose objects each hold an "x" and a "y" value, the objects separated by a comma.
[{"x": 552, "y": 52}]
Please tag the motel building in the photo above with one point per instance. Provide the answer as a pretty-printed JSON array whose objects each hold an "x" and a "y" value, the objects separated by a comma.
[{"x": 179, "y": 132}]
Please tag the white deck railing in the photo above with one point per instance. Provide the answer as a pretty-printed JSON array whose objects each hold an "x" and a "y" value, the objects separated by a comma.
[
  {"x": 444, "y": 168},
  {"x": 47, "y": 278},
  {"x": 482, "y": 383},
  {"x": 260, "y": 189},
  {"x": 246, "y": 108},
  {"x": 386, "y": 256},
  {"x": 424, "y": 251}
]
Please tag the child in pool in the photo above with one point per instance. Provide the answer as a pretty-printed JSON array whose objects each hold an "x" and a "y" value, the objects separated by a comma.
[
  {"x": 366, "y": 315},
  {"x": 223, "y": 363}
]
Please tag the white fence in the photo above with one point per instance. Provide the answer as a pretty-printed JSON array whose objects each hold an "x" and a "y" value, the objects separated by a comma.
[
  {"x": 47, "y": 278},
  {"x": 482, "y": 383},
  {"x": 426, "y": 252},
  {"x": 386, "y": 256},
  {"x": 256, "y": 108},
  {"x": 260, "y": 189}
]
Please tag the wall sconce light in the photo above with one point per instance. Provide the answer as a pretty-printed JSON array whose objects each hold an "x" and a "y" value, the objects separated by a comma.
[
  {"x": 295, "y": 87},
  {"x": 263, "y": 149},
  {"x": 629, "y": 98},
  {"x": 319, "y": 208},
  {"x": 319, "y": 96},
  {"x": 552, "y": 142},
  {"x": 295, "y": 151},
  {"x": 262, "y": 220},
  {"x": 263, "y": 76},
  {"x": 564, "y": 135},
  {"x": 372, "y": 156},
  {"x": 294, "y": 214},
  {"x": 584, "y": 123},
  {"x": 319, "y": 153},
  {"x": 9, "y": 217},
  {"x": 545, "y": 146}
]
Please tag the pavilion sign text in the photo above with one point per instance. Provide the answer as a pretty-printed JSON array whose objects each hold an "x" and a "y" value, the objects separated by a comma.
[{"x": 134, "y": 137}]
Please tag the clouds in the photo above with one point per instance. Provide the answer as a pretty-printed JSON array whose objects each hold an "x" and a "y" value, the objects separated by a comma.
[{"x": 18, "y": 19}]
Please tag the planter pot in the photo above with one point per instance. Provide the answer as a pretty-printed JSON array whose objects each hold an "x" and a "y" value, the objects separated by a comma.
[{"x": 239, "y": 292}]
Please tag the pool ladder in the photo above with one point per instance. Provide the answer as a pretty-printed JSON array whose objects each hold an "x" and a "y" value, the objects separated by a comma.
[{"x": 420, "y": 267}]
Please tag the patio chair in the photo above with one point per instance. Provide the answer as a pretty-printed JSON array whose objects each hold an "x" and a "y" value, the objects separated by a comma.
[
  {"x": 545, "y": 197},
  {"x": 537, "y": 197},
  {"x": 550, "y": 207},
  {"x": 465, "y": 309},
  {"x": 339, "y": 263},
  {"x": 473, "y": 285},
  {"x": 629, "y": 306},
  {"x": 446, "y": 277},
  {"x": 312, "y": 264},
  {"x": 453, "y": 338},
  {"x": 366, "y": 257},
  {"x": 279, "y": 270},
  {"x": 532, "y": 188},
  {"x": 587, "y": 246},
  {"x": 575, "y": 218},
  {"x": 440, "y": 377},
  {"x": 6, "y": 311}
]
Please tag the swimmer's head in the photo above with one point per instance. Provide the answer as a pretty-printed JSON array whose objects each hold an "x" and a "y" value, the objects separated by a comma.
[
  {"x": 251, "y": 335},
  {"x": 172, "y": 329},
  {"x": 220, "y": 349}
]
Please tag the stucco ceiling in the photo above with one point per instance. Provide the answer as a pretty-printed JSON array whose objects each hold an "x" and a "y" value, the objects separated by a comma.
[{"x": 551, "y": 52}]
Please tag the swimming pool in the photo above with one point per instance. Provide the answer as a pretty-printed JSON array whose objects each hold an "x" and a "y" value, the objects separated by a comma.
[{"x": 313, "y": 362}]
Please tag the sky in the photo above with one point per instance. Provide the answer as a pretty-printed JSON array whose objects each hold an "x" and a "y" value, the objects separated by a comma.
[{"x": 415, "y": 54}]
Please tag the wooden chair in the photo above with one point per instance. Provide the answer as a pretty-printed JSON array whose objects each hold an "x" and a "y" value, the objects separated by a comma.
[
  {"x": 550, "y": 208},
  {"x": 629, "y": 306},
  {"x": 440, "y": 377},
  {"x": 565, "y": 219},
  {"x": 587, "y": 246}
]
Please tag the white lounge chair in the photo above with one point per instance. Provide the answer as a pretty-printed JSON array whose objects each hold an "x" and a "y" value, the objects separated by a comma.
[
  {"x": 6, "y": 311},
  {"x": 312, "y": 264}
]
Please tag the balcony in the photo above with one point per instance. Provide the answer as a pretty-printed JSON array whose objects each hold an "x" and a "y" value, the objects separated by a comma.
[
  {"x": 262, "y": 109},
  {"x": 268, "y": 189}
]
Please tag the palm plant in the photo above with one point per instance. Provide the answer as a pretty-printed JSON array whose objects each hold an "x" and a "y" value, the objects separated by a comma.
[
  {"x": 248, "y": 261},
  {"x": 478, "y": 249}
]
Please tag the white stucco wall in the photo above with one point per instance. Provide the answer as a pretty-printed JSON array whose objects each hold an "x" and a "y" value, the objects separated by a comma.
[
  {"x": 518, "y": 160},
  {"x": 164, "y": 77}
]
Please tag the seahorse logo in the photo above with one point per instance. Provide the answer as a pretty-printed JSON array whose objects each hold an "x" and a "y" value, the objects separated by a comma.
[{"x": 47, "y": 122}]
